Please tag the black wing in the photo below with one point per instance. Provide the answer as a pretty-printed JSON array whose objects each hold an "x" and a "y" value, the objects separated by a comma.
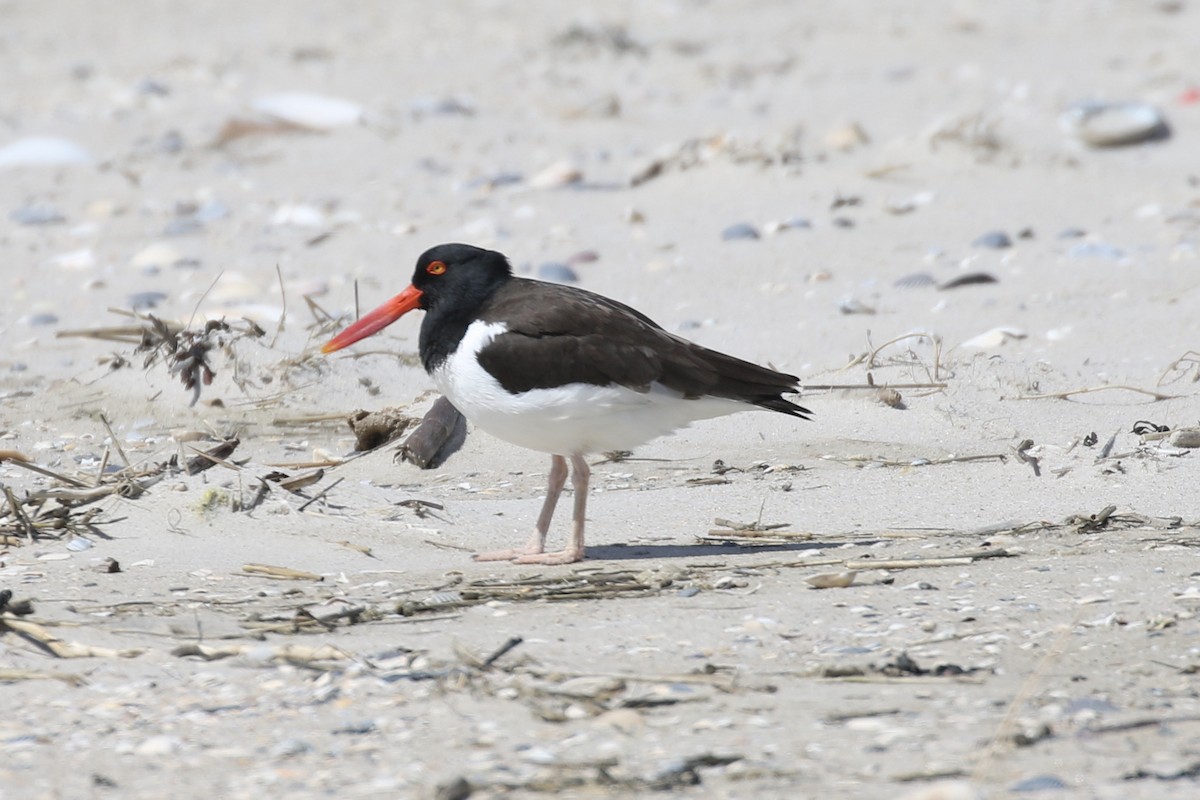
[{"x": 558, "y": 335}]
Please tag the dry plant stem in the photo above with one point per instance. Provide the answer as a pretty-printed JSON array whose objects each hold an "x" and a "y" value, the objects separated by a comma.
[
  {"x": 937, "y": 351},
  {"x": 321, "y": 494},
  {"x": 48, "y": 473},
  {"x": 113, "y": 438},
  {"x": 1158, "y": 396},
  {"x": 1189, "y": 359},
  {"x": 837, "y": 387},
  {"x": 283, "y": 313}
]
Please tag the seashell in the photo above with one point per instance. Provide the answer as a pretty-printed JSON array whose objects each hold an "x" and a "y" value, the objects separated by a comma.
[
  {"x": 307, "y": 110},
  {"x": 1101, "y": 124},
  {"x": 75, "y": 260},
  {"x": 43, "y": 151},
  {"x": 915, "y": 280},
  {"x": 846, "y": 137},
  {"x": 890, "y": 397},
  {"x": 558, "y": 174},
  {"x": 994, "y": 338}
]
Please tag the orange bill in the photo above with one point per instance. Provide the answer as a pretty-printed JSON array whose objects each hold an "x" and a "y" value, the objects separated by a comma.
[{"x": 376, "y": 320}]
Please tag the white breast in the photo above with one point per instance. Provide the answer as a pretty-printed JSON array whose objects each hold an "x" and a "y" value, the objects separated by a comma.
[{"x": 575, "y": 418}]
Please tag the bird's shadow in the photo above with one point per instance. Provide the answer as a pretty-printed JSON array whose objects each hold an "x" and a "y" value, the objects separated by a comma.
[{"x": 627, "y": 552}]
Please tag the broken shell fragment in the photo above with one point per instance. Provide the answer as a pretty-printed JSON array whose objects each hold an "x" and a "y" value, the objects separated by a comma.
[{"x": 831, "y": 580}]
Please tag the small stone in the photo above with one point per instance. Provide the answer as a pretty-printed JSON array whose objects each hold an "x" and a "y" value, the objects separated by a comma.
[
  {"x": 1101, "y": 250},
  {"x": 290, "y": 747},
  {"x": 846, "y": 137},
  {"x": 853, "y": 305},
  {"x": 740, "y": 230},
  {"x": 183, "y": 226},
  {"x": 831, "y": 580},
  {"x": 36, "y": 214},
  {"x": 1185, "y": 437},
  {"x": 141, "y": 300},
  {"x": 994, "y": 240},
  {"x": 38, "y": 320},
  {"x": 156, "y": 255},
  {"x": 157, "y": 746}
]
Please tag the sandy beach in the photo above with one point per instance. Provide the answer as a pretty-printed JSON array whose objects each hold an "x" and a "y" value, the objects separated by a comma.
[{"x": 971, "y": 228}]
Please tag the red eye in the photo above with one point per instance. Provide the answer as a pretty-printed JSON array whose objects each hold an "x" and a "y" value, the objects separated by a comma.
[{"x": 435, "y": 268}]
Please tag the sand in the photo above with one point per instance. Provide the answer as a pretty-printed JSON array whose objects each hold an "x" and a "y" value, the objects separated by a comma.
[{"x": 1007, "y": 629}]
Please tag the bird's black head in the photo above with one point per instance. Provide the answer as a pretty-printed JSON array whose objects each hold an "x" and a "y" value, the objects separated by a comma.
[{"x": 455, "y": 278}]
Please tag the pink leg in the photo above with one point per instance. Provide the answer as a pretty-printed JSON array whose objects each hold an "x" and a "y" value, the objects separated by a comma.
[
  {"x": 537, "y": 544},
  {"x": 580, "y": 473}
]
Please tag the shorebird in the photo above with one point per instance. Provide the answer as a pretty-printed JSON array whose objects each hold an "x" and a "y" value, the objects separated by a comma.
[{"x": 561, "y": 370}]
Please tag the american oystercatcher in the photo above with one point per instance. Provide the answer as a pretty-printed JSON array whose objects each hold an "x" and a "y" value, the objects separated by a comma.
[{"x": 561, "y": 370}]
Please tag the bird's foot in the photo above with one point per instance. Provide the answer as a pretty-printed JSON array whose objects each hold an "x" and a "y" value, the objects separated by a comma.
[{"x": 568, "y": 556}]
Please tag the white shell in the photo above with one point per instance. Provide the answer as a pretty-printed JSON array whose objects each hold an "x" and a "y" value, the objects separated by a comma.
[
  {"x": 306, "y": 110},
  {"x": 43, "y": 151},
  {"x": 993, "y": 338},
  {"x": 1114, "y": 124}
]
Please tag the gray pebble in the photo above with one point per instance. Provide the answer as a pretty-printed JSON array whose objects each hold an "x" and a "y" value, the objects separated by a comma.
[
  {"x": 1072, "y": 233},
  {"x": 149, "y": 86},
  {"x": 140, "y": 300},
  {"x": 995, "y": 240},
  {"x": 1096, "y": 250},
  {"x": 741, "y": 230},
  {"x": 35, "y": 320},
  {"x": 690, "y": 591},
  {"x": 557, "y": 272},
  {"x": 182, "y": 226},
  {"x": 36, "y": 214},
  {"x": 211, "y": 211},
  {"x": 290, "y": 747},
  {"x": 1097, "y": 705},
  {"x": 171, "y": 142}
]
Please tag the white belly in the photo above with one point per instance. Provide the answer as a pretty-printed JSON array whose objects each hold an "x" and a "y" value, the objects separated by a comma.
[{"x": 576, "y": 418}]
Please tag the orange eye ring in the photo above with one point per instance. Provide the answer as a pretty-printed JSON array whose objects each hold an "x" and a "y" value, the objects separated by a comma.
[{"x": 435, "y": 268}]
